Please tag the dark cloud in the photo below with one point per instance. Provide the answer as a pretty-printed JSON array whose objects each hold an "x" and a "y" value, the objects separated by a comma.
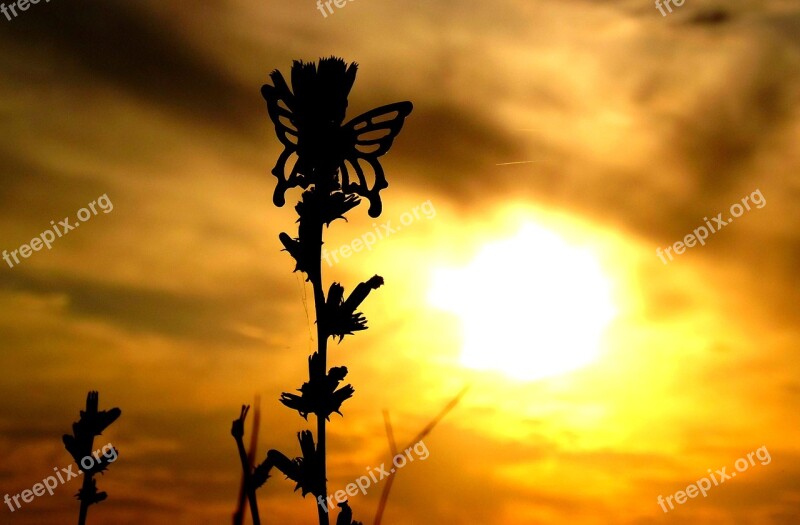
[
  {"x": 34, "y": 194},
  {"x": 179, "y": 315},
  {"x": 732, "y": 123},
  {"x": 711, "y": 16},
  {"x": 453, "y": 146},
  {"x": 31, "y": 430},
  {"x": 128, "y": 46}
]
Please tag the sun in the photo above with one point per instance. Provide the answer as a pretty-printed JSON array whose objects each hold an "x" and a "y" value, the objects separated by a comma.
[{"x": 532, "y": 305}]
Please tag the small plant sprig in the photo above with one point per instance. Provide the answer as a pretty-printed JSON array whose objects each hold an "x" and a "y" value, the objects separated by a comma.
[
  {"x": 80, "y": 445},
  {"x": 331, "y": 162},
  {"x": 249, "y": 477}
]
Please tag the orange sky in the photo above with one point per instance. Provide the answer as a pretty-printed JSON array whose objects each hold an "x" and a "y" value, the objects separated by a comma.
[{"x": 178, "y": 305}]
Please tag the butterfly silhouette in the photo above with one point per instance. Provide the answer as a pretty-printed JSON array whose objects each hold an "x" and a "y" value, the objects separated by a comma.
[{"x": 318, "y": 148}]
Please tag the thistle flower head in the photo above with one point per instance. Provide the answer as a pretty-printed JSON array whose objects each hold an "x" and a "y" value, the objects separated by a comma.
[
  {"x": 319, "y": 395},
  {"x": 321, "y": 90},
  {"x": 341, "y": 316}
]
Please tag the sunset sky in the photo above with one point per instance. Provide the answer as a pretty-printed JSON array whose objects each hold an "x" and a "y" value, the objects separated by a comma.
[{"x": 554, "y": 146}]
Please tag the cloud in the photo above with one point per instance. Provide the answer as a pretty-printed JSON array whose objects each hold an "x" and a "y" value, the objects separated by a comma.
[
  {"x": 131, "y": 48},
  {"x": 636, "y": 122},
  {"x": 137, "y": 309}
]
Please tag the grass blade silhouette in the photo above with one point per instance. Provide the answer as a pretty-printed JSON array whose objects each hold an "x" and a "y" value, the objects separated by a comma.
[
  {"x": 237, "y": 431},
  {"x": 387, "y": 487},
  {"x": 241, "y": 507}
]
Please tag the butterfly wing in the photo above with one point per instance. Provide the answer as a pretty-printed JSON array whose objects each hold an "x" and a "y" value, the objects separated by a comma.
[
  {"x": 280, "y": 102},
  {"x": 370, "y": 136}
]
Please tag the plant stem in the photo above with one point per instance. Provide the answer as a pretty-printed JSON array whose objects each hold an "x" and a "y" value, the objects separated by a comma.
[
  {"x": 87, "y": 485},
  {"x": 248, "y": 481},
  {"x": 322, "y": 349},
  {"x": 84, "y": 511}
]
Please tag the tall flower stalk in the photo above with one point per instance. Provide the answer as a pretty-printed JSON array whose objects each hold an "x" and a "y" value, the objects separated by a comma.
[
  {"x": 331, "y": 162},
  {"x": 80, "y": 445}
]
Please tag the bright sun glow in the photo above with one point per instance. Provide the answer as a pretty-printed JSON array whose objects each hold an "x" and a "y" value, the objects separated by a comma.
[{"x": 532, "y": 306}]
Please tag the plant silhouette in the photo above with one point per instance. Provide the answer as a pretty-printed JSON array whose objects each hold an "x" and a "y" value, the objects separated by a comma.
[
  {"x": 427, "y": 429},
  {"x": 80, "y": 445},
  {"x": 246, "y": 495},
  {"x": 331, "y": 162}
]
